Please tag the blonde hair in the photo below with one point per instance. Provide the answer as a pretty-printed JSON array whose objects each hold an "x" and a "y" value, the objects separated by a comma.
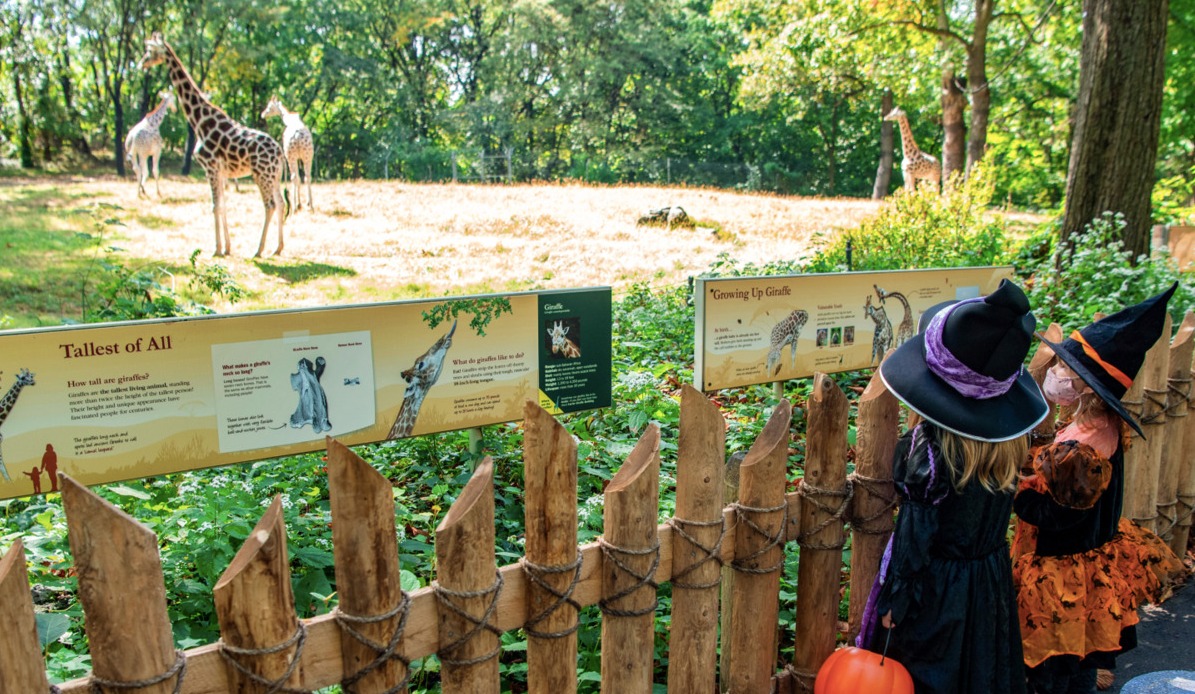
[{"x": 993, "y": 464}]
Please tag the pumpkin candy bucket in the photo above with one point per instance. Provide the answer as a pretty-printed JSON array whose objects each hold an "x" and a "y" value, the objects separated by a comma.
[{"x": 853, "y": 670}]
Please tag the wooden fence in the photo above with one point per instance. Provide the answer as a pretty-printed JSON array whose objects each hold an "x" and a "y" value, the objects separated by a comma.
[{"x": 724, "y": 563}]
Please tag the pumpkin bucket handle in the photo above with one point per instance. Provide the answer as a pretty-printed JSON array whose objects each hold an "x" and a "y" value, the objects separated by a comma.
[{"x": 887, "y": 640}]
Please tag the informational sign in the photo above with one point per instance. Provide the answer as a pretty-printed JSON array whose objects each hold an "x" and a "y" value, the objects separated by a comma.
[
  {"x": 762, "y": 329},
  {"x": 118, "y": 401}
]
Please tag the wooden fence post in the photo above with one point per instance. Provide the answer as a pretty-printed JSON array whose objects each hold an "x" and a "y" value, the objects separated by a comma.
[
  {"x": 1186, "y": 481},
  {"x": 630, "y": 555},
  {"x": 825, "y": 499},
  {"x": 368, "y": 579},
  {"x": 696, "y": 546},
  {"x": 552, "y": 563},
  {"x": 1043, "y": 358},
  {"x": 123, "y": 595},
  {"x": 468, "y": 587},
  {"x": 21, "y": 666},
  {"x": 759, "y": 555},
  {"x": 1174, "y": 433},
  {"x": 1142, "y": 459},
  {"x": 878, "y": 425},
  {"x": 261, "y": 638},
  {"x": 730, "y": 494}
]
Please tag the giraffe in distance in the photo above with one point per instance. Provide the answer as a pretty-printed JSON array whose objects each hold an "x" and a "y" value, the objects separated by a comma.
[
  {"x": 144, "y": 142},
  {"x": 298, "y": 147},
  {"x": 915, "y": 165}
]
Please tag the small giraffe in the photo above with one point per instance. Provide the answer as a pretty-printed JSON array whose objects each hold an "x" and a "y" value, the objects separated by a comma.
[
  {"x": 881, "y": 340},
  {"x": 24, "y": 378},
  {"x": 785, "y": 333},
  {"x": 298, "y": 147},
  {"x": 226, "y": 149},
  {"x": 420, "y": 378},
  {"x": 916, "y": 165},
  {"x": 906, "y": 329},
  {"x": 561, "y": 344},
  {"x": 144, "y": 142}
]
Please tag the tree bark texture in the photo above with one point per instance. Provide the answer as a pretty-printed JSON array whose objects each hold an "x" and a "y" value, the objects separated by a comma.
[
  {"x": 884, "y": 171},
  {"x": 977, "y": 83}
]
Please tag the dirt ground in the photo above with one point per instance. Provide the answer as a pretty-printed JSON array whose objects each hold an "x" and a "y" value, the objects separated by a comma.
[{"x": 371, "y": 241}]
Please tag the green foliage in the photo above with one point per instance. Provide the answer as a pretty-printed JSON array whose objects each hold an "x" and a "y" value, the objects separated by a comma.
[
  {"x": 483, "y": 312},
  {"x": 1069, "y": 286}
]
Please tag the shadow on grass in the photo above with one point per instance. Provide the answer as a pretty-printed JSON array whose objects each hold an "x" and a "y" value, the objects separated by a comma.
[{"x": 296, "y": 273}]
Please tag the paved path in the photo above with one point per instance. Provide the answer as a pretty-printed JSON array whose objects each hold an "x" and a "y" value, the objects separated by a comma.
[{"x": 1166, "y": 638}]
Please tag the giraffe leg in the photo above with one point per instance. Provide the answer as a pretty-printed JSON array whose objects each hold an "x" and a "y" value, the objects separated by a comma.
[
  {"x": 3, "y": 468},
  {"x": 139, "y": 170},
  {"x": 271, "y": 199},
  {"x": 217, "y": 183},
  {"x": 307, "y": 175},
  {"x": 292, "y": 164},
  {"x": 157, "y": 172}
]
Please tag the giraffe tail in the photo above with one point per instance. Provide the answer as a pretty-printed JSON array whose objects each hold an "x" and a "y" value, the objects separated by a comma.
[{"x": 286, "y": 202}]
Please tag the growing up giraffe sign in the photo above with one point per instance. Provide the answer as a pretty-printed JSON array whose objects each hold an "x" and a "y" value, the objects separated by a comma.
[
  {"x": 124, "y": 400},
  {"x": 762, "y": 329}
]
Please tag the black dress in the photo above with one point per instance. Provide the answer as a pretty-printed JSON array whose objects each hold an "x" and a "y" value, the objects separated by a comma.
[{"x": 948, "y": 579}]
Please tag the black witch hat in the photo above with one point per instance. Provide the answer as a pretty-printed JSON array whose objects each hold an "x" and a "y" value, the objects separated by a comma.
[
  {"x": 964, "y": 371},
  {"x": 1108, "y": 353}
]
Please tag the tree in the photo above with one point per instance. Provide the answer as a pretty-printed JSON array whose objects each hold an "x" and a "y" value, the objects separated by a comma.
[{"x": 1117, "y": 117}]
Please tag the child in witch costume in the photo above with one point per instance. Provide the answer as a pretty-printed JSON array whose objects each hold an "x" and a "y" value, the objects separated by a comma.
[
  {"x": 1078, "y": 591},
  {"x": 945, "y": 592}
]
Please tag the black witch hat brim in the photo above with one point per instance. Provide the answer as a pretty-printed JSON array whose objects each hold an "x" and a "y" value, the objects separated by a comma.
[
  {"x": 1001, "y": 418},
  {"x": 1083, "y": 371}
]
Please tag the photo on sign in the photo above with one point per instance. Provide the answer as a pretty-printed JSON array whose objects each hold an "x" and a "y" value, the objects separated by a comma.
[{"x": 563, "y": 338}]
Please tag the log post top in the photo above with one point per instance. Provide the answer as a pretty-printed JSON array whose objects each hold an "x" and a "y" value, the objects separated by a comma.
[
  {"x": 646, "y": 451},
  {"x": 480, "y": 485}
]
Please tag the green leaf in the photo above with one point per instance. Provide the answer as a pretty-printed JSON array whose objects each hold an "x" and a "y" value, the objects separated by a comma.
[
  {"x": 50, "y": 627},
  {"x": 125, "y": 490}
]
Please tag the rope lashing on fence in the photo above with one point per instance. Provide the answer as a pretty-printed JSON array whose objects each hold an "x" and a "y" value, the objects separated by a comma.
[
  {"x": 812, "y": 494},
  {"x": 803, "y": 678},
  {"x": 1181, "y": 389},
  {"x": 179, "y": 668},
  {"x": 740, "y": 514},
  {"x": 54, "y": 689},
  {"x": 713, "y": 553},
  {"x": 644, "y": 579},
  {"x": 385, "y": 652},
  {"x": 1186, "y": 509},
  {"x": 1154, "y": 412},
  {"x": 482, "y": 623},
  {"x": 535, "y": 573},
  {"x": 298, "y": 640},
  {"x": 1169, "y": 515},
  {"x": 881, "y": 489},
  {"x": 1136, "y": 409}
]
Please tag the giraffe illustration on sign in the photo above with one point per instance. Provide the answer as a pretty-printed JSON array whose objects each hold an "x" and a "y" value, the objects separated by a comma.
[
  {"x": 881, "y": 339},
  {"x": 24, "y": 378},
  {"x": 785, "y": 333},
  {"x": 915, "y": 165},
  {"x": 298, "y": 147},
  {"x": 422, "y": 375},
  {"x": 144, "y": 142},
  {"x": 561, "y": 344},
  {"x": 907, "y": 327},
  {"x": 226, "y": 149}
]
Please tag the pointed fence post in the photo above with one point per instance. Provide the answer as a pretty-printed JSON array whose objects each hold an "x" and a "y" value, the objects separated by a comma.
[
  {"x": 1174, "y": 433},
  {"x": 1144, "y": 457},
  {"x": 1043, "y": 358},
  {"x": 373, "y": 607},
  {"x": 696, "y": 546},
  {"x": 878, "y": 425},
  {"x": 123, "y": 595},
  {"x": 552, "y": 563},
  {"x": 21, "y": 666},
  {"x": 630, "y": 555},
  {"x": 758, "y": 537},
  {"x": 825, "y": 499},
  {"x": 1186, "y": 475},
  {"x": 468, "y": 587},
  {"x": 261, "y": 638}
]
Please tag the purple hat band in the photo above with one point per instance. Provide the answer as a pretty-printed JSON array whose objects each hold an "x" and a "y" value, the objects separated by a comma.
[{"x": 962, "y": 378}]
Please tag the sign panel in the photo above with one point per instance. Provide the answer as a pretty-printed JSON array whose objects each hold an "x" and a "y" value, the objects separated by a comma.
[
  {"x": 762, "y": 329},
  {"x": 118, "y": 401}
]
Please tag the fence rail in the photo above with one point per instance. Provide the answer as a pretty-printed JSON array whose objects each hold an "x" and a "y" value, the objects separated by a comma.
[{"x": 377, "y": 630}]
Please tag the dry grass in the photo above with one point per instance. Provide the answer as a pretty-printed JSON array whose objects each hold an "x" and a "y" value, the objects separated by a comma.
[{"x": 374, "y": 241}]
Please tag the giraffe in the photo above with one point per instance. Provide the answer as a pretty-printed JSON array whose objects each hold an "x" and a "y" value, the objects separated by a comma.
[
  {"x": 785, "y": 333},
  {"x": 145, "y": 142},
  {"x": 561, "y": 344},
  {"x": 226, "y": 149},
  {"x": 24, "y": 378},
  {"x": 881, "y": 339},
  {"x": 420, "y": 378},
  {"x": 906, "y": 329},
  {"x": 297, "y": 146},
  {"x": 916, "y": 165}
]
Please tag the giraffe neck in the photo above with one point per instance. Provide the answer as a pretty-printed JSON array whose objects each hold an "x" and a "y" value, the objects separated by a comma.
[
  {"x": 906, "y": 138},
  {"x": 156, "y": 116},
  {"x": 10, "y": 399},
  {"x": 201, "y": 114},
  {"x": 411, "y": 403}
]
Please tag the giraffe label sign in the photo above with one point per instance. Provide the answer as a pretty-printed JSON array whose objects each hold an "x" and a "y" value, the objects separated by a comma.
[
  {"x": 761, "y": 329},
  {"x": 117, "y": 401}
]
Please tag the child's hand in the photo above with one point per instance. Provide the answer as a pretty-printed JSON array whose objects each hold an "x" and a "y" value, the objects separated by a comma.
[{"x": 886, "y": 620}]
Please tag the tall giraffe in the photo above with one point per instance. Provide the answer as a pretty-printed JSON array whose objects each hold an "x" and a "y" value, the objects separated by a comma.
[
  {"x": 785, "y": 333},
  {"x": 24, "y": 378},
  {"x": 298, "y": 147},
  {"x": 906, "y": 329},
  {"x": 226, "y": 149},
  {"x": 916, "y": 165},
  {"x": 422, "y": 375},
  {"x": 881, "y": 339},
  {"x": 144, "y": 142}
]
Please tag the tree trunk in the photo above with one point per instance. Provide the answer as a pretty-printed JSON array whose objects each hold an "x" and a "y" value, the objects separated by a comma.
[
  {"x": 78, "y": 139},
  {"x": 887, "y": 156},
  {"x": 25, "y": 127},
  {"x": 1117, "y": 117},
  {"x": 977, "y": 80},
  {"x": 119, "y": 129},
  {"x": 954, "y": 136}
]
